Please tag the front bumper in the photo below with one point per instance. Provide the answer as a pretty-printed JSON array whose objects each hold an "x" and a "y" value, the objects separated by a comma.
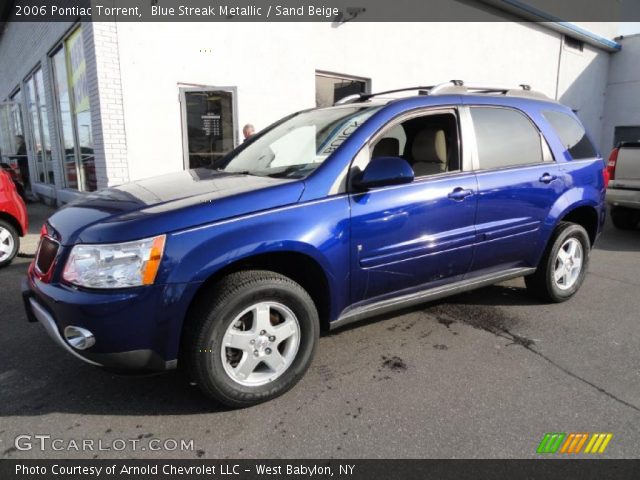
[{"x": 134, "y": 330}]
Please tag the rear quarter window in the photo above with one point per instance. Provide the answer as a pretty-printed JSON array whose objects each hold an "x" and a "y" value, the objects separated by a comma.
[{"x": 571, "y": 134}]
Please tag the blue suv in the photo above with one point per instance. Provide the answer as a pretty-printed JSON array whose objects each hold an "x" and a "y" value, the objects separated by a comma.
[{"x": 326, "y": 217}]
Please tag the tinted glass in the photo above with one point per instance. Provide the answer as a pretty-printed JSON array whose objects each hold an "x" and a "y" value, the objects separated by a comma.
[
  {"x": 571, "y": 133},
  {"x": 505, "y": 137},
  {"x": 209, "y": 126},
  {"x": 626, "y": 134}
]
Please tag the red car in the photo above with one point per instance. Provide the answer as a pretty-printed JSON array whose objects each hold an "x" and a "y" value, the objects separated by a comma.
[{"x": 13, "y": 219}]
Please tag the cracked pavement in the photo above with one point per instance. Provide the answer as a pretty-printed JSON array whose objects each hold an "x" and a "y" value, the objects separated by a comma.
[{"x": 479, "y": 375}]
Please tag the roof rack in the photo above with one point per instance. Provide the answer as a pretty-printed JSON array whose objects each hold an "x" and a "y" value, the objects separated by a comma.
[
  {"x": 453, "y": 87},
  {"x": 363, "y": 97}
]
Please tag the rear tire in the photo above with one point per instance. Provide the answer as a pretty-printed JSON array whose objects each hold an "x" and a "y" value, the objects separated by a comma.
[
  {"x": 9, "y": 243},
  {"x": 563, "y": 266},
  {"x": 253, "y": 340},
  {"x": 624, "y": 218}
]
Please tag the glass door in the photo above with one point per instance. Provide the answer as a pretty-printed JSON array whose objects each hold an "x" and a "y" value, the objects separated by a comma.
[{"x": 208, "y": 124}]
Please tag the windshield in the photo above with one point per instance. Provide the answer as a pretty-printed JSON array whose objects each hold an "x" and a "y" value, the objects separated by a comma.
[{"x": 300, "y": 144}]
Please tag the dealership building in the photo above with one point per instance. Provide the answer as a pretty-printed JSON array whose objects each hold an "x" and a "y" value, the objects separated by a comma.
[{"x": 96, "y": 104}]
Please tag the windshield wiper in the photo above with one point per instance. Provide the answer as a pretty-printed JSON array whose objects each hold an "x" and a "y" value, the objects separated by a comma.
[
  {"x": 288, "y": 171},
  {"x": 235, "y": 172}
]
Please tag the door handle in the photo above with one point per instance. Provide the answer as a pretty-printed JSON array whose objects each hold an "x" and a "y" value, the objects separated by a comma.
[
  {"x": 547, "y": 178},
  {"x": 460, "y": 194}
]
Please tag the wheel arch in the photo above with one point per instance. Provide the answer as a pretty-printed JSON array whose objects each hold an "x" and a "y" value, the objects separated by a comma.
[
  {"x": 10, "y": 219},
  {"x": 587, "y": 217},
  {"x": 299, "y": 267}
]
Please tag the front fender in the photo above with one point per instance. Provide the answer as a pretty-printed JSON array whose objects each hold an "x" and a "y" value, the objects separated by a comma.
[{"x": 316, "y": 229}]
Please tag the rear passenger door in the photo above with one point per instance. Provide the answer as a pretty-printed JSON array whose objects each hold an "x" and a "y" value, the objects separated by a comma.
[{"x": 518, "y": 182}]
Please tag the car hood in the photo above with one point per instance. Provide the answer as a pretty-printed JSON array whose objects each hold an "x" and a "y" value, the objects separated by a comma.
[{"x": 168, "y": 203}]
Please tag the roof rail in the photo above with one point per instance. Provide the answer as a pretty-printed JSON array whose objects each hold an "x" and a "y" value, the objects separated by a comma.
[
  {"x": 363, "y": 97},
  {"x": 458, "y": 87},
  {"x": 453, "y": 87}
]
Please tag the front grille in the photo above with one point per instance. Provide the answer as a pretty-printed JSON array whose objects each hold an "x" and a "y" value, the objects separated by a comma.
[{"x": 46, "y": 254}]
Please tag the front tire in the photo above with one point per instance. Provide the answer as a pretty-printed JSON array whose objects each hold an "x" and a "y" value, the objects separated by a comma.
[
  {"x": 563, "y": 266},
  {"x": 9, "y": 243},
  {"x": 253, "y": 340}
]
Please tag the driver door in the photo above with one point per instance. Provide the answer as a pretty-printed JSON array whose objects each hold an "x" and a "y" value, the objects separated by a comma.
[{"x": 410, "y": 237}]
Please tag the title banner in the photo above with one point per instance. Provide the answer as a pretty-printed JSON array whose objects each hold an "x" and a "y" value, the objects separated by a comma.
[{"x": 336, "y": 11}]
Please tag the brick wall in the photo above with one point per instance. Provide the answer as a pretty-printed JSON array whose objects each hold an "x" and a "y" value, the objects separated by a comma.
[{"x": 105, "y": 93}]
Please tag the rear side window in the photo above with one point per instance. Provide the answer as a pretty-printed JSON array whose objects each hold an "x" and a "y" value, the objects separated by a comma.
[
  {"x": 505, "y": 138},
  {"x": 571, "y": 133}
]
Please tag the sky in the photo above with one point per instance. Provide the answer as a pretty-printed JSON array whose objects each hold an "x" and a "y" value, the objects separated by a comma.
[{"x": 629, "y": 28}]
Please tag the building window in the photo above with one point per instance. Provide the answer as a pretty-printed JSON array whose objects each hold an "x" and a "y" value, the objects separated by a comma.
[
  {"x": 626, "y": 134},
  {"x": 573, "y": 44},
  {"x": 69, "y": 69},
  {"x": 332, "y": 87},
  {"x": 13, "y": 147},
  {"x": 208, "y": 124},
  {"x": 39, "y": 127}
]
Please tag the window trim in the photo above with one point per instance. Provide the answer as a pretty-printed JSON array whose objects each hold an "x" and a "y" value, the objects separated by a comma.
[
  {"x": 183, "y": 89},
  {"x": 542, "y": 139}
]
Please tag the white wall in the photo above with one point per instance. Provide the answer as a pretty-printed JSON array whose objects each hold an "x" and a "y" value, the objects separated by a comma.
[
  {"x": 582, "y": 86},
  {"x": 273, "y": 66},
  {"x": 623, "y": 90}
]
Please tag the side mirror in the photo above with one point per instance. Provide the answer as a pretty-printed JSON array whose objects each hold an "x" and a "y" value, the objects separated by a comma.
[{"x": 384, "y": 171}]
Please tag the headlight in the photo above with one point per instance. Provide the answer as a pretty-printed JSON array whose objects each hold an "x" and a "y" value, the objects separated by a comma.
[{"x": 117, "y": 265}]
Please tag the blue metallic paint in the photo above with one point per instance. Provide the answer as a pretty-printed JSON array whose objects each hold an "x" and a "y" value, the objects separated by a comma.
[{"x": 368, "y": 244}]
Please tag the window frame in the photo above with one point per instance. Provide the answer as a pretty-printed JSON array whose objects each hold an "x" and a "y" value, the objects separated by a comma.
[
  {"x": 546, "y": 154},
  {"x": 183, "y": 89},
  {"x": 31, "y": 145},
  {"x": 60, "y": 45},
  {"x": 556, "y": 132},
  {"x": 365, "y": 151}
]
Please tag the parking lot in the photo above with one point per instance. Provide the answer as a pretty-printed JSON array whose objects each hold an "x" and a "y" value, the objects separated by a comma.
[{"x": 483, "y": 374}]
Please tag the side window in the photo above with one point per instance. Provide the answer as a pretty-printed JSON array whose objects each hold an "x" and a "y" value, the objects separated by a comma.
[
  {"x": 429, "y": 143},
  {"x": 571, "y": 133},
  {"x": 505, "y": 138}
]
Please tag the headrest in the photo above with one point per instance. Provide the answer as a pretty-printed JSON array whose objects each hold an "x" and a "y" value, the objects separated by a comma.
[
  {"x": 430, "y": 146},
  {"x": 386, "y": 147}
]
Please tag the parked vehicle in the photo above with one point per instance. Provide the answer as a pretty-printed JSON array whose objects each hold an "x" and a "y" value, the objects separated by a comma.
[
  {"x": 328, "y": 216},
  {"x": 17, "y": 181},
  {"x": 13, "y": 219},
  {"x": 623, "y": 190}
]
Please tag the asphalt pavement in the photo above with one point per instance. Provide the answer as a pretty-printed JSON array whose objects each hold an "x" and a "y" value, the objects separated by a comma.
[{"x": 479, "y": 375}]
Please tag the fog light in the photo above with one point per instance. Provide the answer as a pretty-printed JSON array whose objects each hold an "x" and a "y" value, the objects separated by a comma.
[{"x": 79, "y": 338}]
